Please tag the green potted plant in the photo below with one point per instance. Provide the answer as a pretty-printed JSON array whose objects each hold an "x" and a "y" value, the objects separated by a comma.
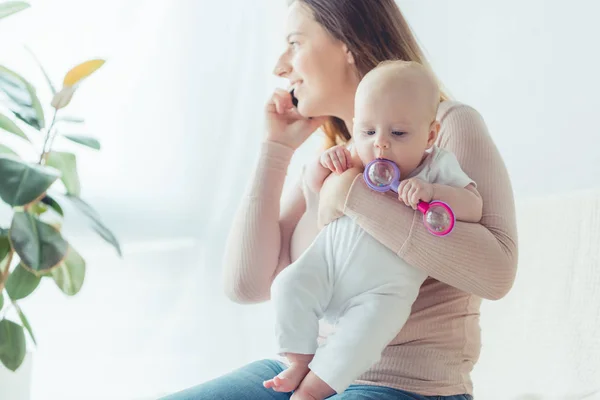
[{"x": 37, "y": 190}]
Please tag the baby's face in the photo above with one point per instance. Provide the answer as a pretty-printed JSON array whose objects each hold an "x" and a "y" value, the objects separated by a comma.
[{"x": 390, "y": 123}]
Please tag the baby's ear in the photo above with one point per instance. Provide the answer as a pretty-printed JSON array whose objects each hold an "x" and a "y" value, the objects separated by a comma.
[{"x": 434, "y": 130}]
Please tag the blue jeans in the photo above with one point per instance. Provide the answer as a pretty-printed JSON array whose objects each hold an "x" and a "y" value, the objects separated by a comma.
[{"x": 247, "y": 383}]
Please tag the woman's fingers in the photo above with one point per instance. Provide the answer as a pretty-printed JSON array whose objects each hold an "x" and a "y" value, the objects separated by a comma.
[
  {"x": 286, "y": 99},
  {"x": 280, "y": 102}
]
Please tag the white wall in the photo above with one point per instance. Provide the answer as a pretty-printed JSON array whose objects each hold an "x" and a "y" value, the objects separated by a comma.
[{"x": 531, "y": 69}]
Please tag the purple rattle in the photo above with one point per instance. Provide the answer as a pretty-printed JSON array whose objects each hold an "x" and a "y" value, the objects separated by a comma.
[{"x": 382, "y": 175}]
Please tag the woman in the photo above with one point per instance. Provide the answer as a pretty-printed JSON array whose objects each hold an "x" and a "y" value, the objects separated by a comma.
[{"x": 331, "y": 45}]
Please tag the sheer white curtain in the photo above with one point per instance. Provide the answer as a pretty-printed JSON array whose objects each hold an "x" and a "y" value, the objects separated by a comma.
[{"x": 178, "y": 109}]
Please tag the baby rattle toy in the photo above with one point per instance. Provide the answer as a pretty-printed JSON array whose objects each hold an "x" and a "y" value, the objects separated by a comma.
[{"x": 383, "y": 175}]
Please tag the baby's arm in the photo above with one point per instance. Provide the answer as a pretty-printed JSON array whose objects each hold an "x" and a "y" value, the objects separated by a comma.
[
  {"x": 335, "y": 159},
  {"x": 447, "y": 182},
  {"x": 466, "y": 203}
]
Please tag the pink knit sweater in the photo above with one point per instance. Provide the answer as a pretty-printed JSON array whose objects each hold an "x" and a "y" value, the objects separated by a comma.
[{"x": 437, "y": 348}]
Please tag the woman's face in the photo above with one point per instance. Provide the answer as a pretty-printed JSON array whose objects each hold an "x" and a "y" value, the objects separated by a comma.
[{"x": 319, "y": 68}]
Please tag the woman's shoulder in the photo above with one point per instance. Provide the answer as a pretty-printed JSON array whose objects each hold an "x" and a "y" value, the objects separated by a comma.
[
  {"x": 458, "y": 118},
  {"x": 449, "y": 109}
]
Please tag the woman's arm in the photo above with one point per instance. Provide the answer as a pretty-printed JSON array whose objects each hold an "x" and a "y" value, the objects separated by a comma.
[
  {"x": 258, "y": 246},
  {"x": 476, "y": 258}
]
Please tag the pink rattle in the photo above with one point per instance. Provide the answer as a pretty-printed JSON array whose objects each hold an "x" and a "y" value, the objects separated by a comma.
[{"x": 382, "y": 175}]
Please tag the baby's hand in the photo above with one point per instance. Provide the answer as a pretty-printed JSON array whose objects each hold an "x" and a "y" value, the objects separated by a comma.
[
  {"x": 336, "y": 159},
  {"x": 413, "y": 190}
]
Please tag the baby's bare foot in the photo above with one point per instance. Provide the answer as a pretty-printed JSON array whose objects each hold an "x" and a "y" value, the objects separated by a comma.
[
  {"x": 289, "y": 379},
  {"x": 312, "y": 388}
]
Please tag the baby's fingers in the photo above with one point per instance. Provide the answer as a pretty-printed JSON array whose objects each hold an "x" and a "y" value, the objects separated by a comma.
[
  {"x": 341, "y": 154},
  {"x": 329, "y": 163},
  {"x": 405, "y": 191},
  {"x": 336, "y": 162},
  {"x": 413, "y": 196}
]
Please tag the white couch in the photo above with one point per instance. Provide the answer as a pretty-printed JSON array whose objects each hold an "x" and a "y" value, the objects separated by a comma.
[{"x": 542, "y": 341}]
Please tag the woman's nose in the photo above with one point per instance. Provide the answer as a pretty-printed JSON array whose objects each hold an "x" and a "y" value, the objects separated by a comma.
[{"x": 283, "y": 67}]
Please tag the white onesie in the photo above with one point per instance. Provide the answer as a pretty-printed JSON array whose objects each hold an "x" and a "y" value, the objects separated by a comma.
[{"x": 355, "y": 282}]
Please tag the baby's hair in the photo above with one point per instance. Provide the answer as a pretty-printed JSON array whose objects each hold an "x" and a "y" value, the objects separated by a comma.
[{"x": 401, "y": 67}]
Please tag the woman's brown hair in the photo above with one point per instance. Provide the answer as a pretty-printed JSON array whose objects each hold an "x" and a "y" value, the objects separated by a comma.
[{"x": 374, "y": 31}]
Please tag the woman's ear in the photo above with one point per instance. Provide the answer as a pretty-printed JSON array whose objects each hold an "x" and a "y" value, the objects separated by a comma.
[
  {"x": 434, "y": 130},
  {"x": 349, "y": 55}
]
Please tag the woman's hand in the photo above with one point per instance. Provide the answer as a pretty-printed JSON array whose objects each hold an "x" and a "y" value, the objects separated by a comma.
[
  {"x": 333, "y": 195},
  {"x": 284, "y": 124}
]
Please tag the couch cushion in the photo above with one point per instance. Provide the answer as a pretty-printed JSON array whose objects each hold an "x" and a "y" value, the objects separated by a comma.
[{"x": 542, "y": 341}]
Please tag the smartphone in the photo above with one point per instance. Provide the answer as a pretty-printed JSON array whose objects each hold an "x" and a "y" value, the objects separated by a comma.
[{"x": 294, "y": 99}]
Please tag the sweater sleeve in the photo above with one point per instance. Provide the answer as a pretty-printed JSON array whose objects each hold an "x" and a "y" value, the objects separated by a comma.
[
  {"x": 258, "y": 244},
  {"x": 478, "y": 258}
]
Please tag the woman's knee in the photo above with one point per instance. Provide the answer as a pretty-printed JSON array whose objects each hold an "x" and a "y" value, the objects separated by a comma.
[{"x": 247, "y": 380}]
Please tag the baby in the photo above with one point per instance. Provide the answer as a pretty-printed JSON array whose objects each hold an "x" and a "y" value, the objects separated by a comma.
[{"x": 346, "y": 276}]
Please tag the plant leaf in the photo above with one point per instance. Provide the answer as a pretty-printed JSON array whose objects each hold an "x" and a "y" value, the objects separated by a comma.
[
  {"x": 97, "y": 223},
  {"x": 39, "y": 245},
  {"x": 12, "y": 344},
  {"x": 1, "y": 300},
  {"x": 63, "y": 97},
  {"x": 12, "y": 7},
  {"x": 26, "y": 105},
  {"x": 70, "y": 274},
  {"x": 4, "y": 246},
  {"x": 66, "y": 163},
  {"x": 21, "y": 182},
  {"x": 7, "y": 150},
  {"x": 75, "y": 120},
  {"x": 4, "y": 250},
  {"x": 81, "y": 71},
  {"x": 8, "y": 125},
  {"x": 50, "y": 84},
  {"x": 84, "y": 140},
  {"x": 25, "y": 322},
  {"x": 21, "y": 283},
  {"x": 53, "y": 204}
]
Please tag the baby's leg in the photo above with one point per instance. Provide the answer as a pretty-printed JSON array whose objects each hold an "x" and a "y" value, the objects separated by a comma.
[
  {"x": 361, "y": 335},
  {"x": 373, "y": 297},
  {"x": 300, "y": 294}
]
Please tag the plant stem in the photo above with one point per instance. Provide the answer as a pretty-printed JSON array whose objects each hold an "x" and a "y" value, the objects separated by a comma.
[
  {"x": 51, "y": 141},
  {"x": 6, "y": 310},
  {"x": 4, "y": 274},
  {"x": 47, "y": 139}
]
